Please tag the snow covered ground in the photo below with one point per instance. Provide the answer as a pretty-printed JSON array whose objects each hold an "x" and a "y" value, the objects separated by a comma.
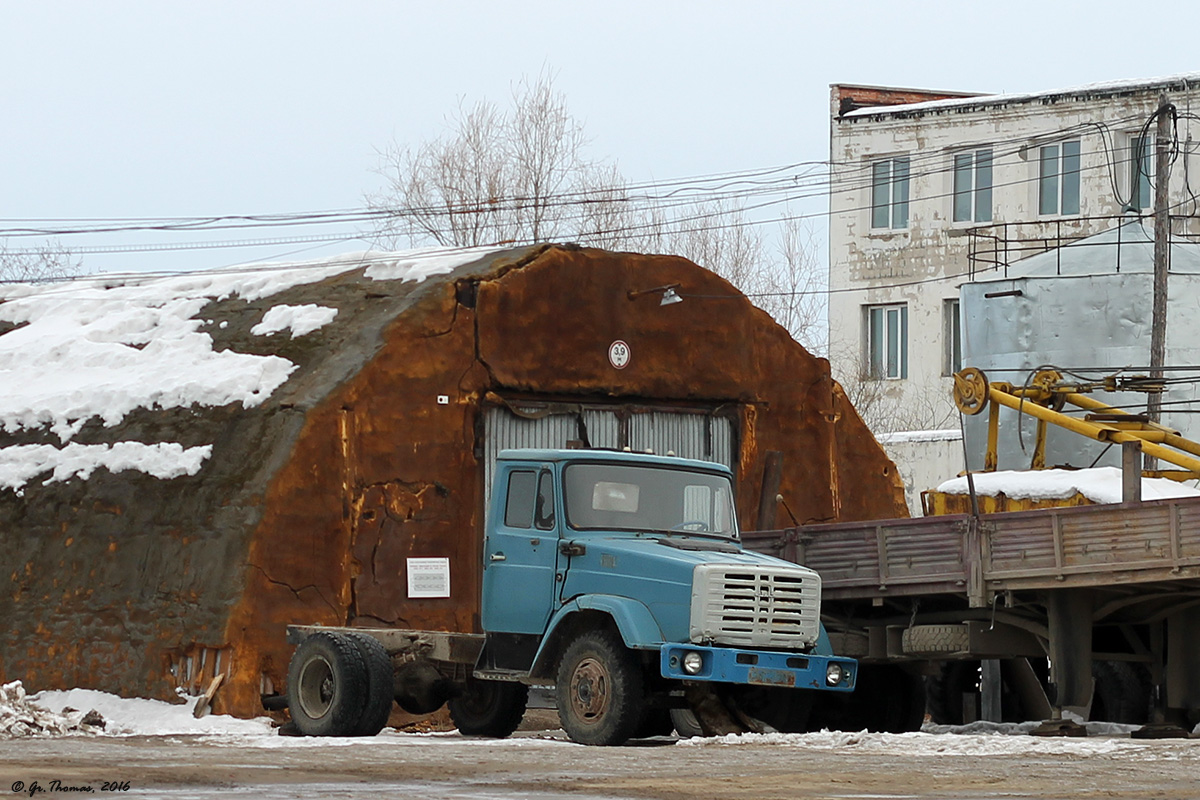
[{"x": 140, "y": 717}]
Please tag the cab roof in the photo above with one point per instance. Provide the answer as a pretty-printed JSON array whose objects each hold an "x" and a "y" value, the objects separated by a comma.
[{"x": 611, "y": 456}]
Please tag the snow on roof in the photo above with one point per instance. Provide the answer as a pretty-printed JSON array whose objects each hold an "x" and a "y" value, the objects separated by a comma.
[
  {"x": 102, "y": 346},
  {"x": 1124, "y": 86},
  {"x": 1098, "y": 484},
  {"x": 898, "y": 437}
]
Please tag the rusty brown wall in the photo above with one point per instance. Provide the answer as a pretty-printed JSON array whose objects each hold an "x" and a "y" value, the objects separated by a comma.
[{"x": 382, "y": 472}]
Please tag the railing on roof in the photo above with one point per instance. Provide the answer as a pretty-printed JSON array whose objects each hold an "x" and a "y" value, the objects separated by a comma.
[{"x": 991, "y": 249}]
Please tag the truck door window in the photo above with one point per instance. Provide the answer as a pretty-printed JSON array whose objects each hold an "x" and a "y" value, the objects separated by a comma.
[
  {"x": 518, "y": 508},
  {"x": 544, "y": 514}
]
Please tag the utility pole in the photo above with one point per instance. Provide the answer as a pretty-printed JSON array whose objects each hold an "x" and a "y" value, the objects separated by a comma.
[{"x": 1162, "y": 240}]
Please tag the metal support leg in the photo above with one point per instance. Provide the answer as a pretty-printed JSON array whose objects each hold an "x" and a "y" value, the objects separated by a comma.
[
  {"x": 989, "y": 690},
  {"x": 1070, "y": 617},
  {"x": 1069, "y": 612},
  {"x": 1183, "y": 679}
]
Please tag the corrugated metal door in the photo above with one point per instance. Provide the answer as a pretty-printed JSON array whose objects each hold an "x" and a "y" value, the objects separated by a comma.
[{"x": 687, "y": 433}]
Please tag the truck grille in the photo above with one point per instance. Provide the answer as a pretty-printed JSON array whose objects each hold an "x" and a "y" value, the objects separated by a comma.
[{"x": 755, "y": 606}]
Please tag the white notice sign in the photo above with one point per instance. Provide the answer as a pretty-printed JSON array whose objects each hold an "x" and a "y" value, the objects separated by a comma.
[{"x": 428, "y": 577}]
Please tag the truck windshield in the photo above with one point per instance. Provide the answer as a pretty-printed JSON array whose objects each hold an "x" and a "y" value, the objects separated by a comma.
[{"x": 648, "y": 499}]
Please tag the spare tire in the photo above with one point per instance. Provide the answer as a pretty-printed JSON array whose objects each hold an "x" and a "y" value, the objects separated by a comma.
[{"x": 327, "y": 686}]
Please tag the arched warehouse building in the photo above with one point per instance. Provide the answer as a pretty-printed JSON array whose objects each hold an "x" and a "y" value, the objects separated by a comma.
[{"x": 190, "y": 463}]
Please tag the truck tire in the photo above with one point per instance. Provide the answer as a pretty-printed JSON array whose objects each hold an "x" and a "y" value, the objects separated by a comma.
[
  {"x": 934, "y": 639},
  {"x": 686, "y": 724},
  {"x": 327, "y": 686},
  {"x": 378, "y": 705},
  {"x": 600, "y": 689},
  {"x": 489, "y": 708}
]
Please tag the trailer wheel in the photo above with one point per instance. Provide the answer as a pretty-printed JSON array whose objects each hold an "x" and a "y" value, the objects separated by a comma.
[
  {"x": 600, "y": 689},
  {"x": 327, "y": 686},
  {"x": 380, "y": 691},
  {"x": 489, "y": 708}
]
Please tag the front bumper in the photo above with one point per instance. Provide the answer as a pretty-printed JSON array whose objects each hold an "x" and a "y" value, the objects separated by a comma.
[{"x": 758, "y": 667}]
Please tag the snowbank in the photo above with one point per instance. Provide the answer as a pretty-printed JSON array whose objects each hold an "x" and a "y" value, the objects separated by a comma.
[
  {"x": 1098, "y": 484},
  {"x": 136, "y": 716},
  {"x": 931, "y": 744}
]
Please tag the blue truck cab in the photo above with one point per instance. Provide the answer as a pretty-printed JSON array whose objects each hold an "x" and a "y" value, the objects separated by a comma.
[{"x": 621, "y": 579}]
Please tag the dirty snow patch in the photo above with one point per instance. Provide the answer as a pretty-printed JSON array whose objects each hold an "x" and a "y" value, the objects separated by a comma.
[
  {"x": 926, "y": 744},
  {"x": 1098, "y": 484},
  {"x": 21, "y": 717},
  {"x": 301, "y": 320},
  {"x": 21, "y": 463},
  {"x": 140, "y": 717}
]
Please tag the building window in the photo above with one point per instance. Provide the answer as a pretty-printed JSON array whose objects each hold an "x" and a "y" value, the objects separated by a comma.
[
  {"x": 1141, "y": 165},
  {"x": 1058, "y": 179},
  {"x": 973, "y": 186},
  {"x": 889, "y": 193},
  {"x": 887, "y": 341},
  {"x": 951, "y": 338}
]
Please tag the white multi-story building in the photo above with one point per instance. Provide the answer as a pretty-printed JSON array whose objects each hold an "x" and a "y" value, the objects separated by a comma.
[{"x": 921, "y": 179}]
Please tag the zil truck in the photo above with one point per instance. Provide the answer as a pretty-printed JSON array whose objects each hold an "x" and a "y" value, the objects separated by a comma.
[{"x": 620, "y": 581}]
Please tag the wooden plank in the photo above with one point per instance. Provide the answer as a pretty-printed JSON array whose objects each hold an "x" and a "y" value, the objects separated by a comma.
[{"x": 204, "y": 704}]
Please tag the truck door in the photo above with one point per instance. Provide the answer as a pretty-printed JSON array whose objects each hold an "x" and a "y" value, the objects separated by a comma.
[{"x": 521, "y": 555}]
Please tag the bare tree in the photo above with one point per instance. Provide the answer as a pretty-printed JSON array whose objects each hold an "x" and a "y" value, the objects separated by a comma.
[
  {"x": 496, "y": 177},
  {"x": 524, "y": 176},
  {"x": 46, "y": 261},
  {"x": 881, "y": 403}
]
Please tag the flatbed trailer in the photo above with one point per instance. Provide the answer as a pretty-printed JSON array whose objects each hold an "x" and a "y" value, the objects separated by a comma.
[{"x": 1098, "y": 590}]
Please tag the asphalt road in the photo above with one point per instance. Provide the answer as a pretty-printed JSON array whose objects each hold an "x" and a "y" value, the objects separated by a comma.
[{"x": 543, "y": 765}]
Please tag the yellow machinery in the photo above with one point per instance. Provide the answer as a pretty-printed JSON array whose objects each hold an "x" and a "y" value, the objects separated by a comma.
[{"x": 1045, "y": 397}]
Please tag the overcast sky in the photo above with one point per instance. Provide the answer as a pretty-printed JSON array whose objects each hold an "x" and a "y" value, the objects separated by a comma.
[{"x": 160, "y": 109}]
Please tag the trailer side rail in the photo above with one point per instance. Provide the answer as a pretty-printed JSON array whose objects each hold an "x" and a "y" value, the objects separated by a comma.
[{"x": 1078, "y": 546}]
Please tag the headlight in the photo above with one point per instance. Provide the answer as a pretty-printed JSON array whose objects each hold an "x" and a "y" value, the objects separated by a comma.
[
  {"x": 693, "y": 662},
  {"x": 834, "y": 674}
]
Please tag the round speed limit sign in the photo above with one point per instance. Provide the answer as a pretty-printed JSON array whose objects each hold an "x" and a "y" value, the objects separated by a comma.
[{"x": 618, "y": 354}]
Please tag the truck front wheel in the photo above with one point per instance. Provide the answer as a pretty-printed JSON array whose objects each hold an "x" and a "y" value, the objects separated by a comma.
[
  {"x": 489, "y": 708},
  {"x": 600, "y": 689}
]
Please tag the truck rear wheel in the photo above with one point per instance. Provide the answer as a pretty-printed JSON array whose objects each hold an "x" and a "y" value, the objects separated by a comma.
[
  {"x": 327, "y": 686},
  {"x": 378, "y": 704},
  {"x": 600, "y": 689},
  {"x": 489, "y": 708}
]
